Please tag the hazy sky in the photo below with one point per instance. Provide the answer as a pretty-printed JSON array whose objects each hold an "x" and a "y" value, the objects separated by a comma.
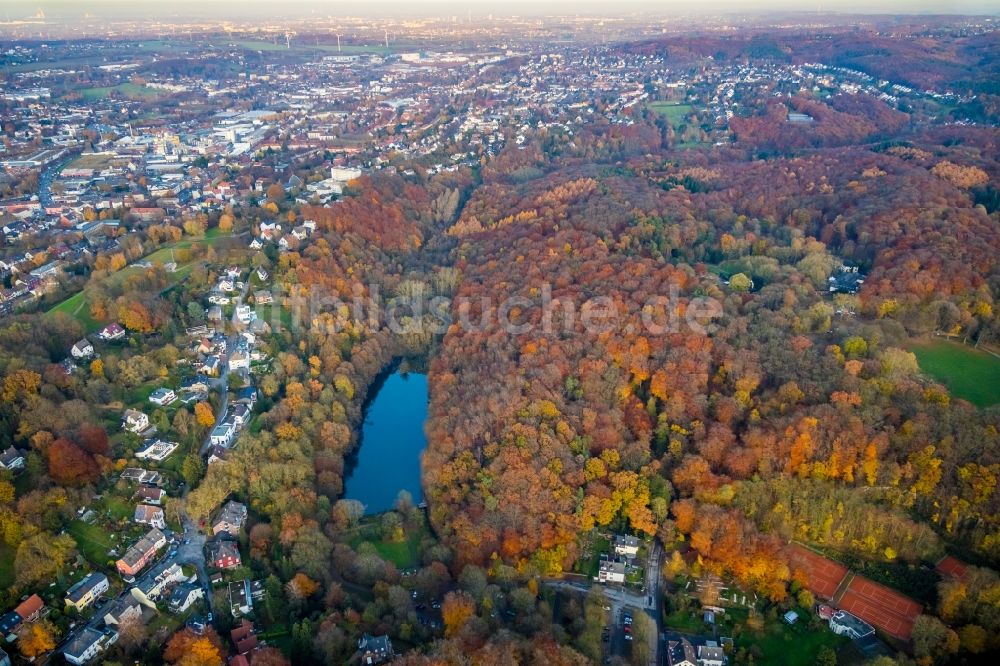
[{"x": 236, "y": 9}]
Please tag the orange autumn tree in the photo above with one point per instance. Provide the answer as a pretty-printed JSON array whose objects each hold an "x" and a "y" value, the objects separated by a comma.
[
  {"x": 301, "y": 586},
  {"x": 456, "y": 609},
  {"x": 186, "y": 648}
]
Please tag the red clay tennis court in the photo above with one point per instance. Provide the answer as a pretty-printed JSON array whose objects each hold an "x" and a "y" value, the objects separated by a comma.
[
  {"x": 951, "y": 566},
  {"x": 824, "y": 575},
  {"x": 881, "y": 607}
]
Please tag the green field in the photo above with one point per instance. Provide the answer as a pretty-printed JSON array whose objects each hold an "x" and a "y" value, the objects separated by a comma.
[
  {"x": 131, "y": 90},
  {"x": 78, "y": 307},
  {"x": 969, "y": 374},
  {"x": 591, "y": 562},
  {"x": 672, "y": 111}
]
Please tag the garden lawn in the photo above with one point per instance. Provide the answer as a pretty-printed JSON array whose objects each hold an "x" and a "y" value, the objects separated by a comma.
[
  {"x": 790, "y": 645},
  {"x": 119, "y": 508},
  {"x": 969, "y": 374},
  {"x": 92, "y": 541},
  {"x": 591, "y": 564},
  {"x": 685, "y": 621},
  {"x": 404, "y": 554}
]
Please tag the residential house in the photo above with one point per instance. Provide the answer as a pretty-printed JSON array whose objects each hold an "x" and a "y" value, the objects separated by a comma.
[
  {"x": 156, "y": 449},
  {"x": 240, "y": 360},
  {"x": 222, "y": 434},
  {"x": 843, "y": 623},
  {"x": 198, "y": 383},
  {"x": 211, "y": 365},
  {"x": 87, "y": 590},
  {"x": 87, "y": 644},
  {"x": 223, "y": 553},
  {"x": 124, "y": 608},
  {"x": 27, "y": 611},
  {"x": 149, "y": 515},
  {"x": 12, "y": 459},
  {"x": 243, "y": 594},
  {"x": 139, "y": 555},
  {"x": 184, "y": 595},
  {"x": 240, "y": 414},
  {"x": 681, "y": 653},
  {"x": 9, "y": 622},
  {"x": 4, "y": 658},
  {"x": 626, "y": 545},
  {"x": 82, "y": 349},
  {"x": 711, "y": 654},
  {"x": 244, "y": 637},
  {"x": 230, "y": 518},
  {"x": 140, "y": 475},
  {"x": 162, "y": 397},
  {"x": 31, "y": 608},
  {"x": 154, "y": 582},
  {"x": 263, "y": 297},
  {"x": 111, "y": 332},
  {"x": 152, "y": 496},
  {"x": 374, "y": 649},
  {"x": 135, "y": 421},
  {"x": 611, "y": 572},
  {"x": 847, "y": 280},
  {"x": 49, "y": 270},
  {"x": 217, "y": 453},
  {"x": 247, "y": 396},
  {"x": 262, "y": 274}
]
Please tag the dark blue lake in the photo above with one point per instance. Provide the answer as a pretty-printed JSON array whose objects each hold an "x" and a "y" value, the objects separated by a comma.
[{"x": 392, "y": 438}]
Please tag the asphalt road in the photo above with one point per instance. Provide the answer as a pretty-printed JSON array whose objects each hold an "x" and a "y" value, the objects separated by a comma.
[{"x": 222, "y": 383}]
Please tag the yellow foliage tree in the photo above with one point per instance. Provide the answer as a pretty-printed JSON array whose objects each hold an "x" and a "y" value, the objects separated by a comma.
[
  {"x": 36, "y": 639},
  {"x": 19, "y": 384},
  {"x": 203, "y": 415}
]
